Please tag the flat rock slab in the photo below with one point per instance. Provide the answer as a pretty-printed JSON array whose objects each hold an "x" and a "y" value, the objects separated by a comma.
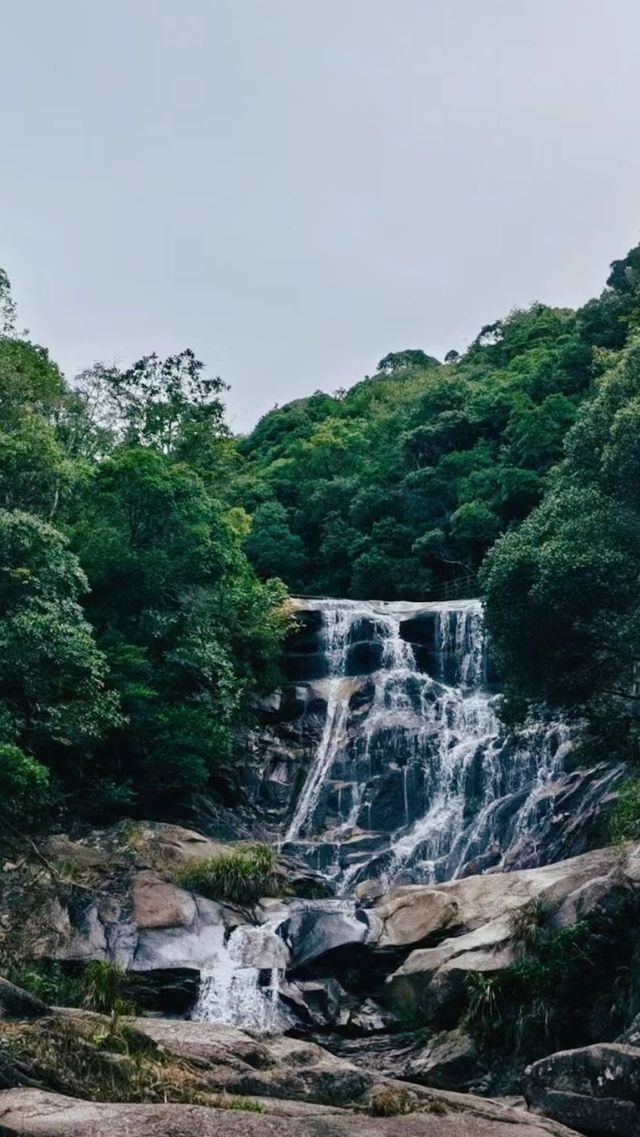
[{"x": 38, "y": 1114}]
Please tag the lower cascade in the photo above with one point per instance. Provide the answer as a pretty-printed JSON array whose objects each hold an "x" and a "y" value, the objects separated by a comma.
[
  {"x": 231, "y": 991},
  {"x": 382, "y": 763}
]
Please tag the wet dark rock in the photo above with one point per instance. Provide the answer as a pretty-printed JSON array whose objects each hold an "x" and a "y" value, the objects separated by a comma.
[
  {"x": 364, "y": 657},
  {"x": 18, "y": 1004},
  {"x": 595, "y": 1090},
  {"x": 570, "y": 816},
  {"x": 312, "y": 932},
  {"x": 362, "y": 697},
  {"x": 632, "y": 1033},
  {"x": 448, "y": 1060},
  {"x": 170, "y": 991},
  {"x": 316, "y": 1002}
]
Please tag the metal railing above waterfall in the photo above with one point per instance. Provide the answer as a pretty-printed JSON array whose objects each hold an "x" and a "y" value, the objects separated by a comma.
[
  {"x": 464, "y": 587},
  {"x": 457, "y": 588}
]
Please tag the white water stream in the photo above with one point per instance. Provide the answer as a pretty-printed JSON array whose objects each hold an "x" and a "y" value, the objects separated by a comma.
[{"x": 416, "y": 778}]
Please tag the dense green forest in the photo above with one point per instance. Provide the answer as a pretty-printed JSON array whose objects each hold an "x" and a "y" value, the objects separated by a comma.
[
  {"x": 133, "y": 630},
  {"x": 406, "y": 480},
  {"x": 145, "y": 553}
]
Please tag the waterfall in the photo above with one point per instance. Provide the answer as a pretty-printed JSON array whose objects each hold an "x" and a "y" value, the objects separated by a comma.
[
  {"x": 338, "y": 616},
  {"x": 405, "y": 777},
  {"x": 231, "y": 987},
  {"x": 411, "y": 779}
]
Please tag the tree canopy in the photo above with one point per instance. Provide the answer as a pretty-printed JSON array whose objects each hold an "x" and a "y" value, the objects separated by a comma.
[
  {"x": 406, "y": 480},
  {"x": 134, "y": 634}
]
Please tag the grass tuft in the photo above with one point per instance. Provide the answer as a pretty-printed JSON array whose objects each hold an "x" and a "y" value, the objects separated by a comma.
[
  {"x": 625, "y": 817},
  {"x": 392, "y": 1103},
  {"x": 102, "y": 987},
  {"x": 240, "y": 877}
]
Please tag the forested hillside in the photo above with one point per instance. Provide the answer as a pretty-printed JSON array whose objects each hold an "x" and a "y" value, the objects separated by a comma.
[
  {"x": 133, "y": 631},
  {"x": 145, "y": 552},
  {"x": 512, "y": 471},
  {"x": 406, "y": 480}
]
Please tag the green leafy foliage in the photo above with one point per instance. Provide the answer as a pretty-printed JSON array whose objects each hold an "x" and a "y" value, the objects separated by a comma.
[
  {"x": 406, "y": 480},
  {"x": 241, "y": 876},
  {"x": 134, "y": 634},
  {"x": 102, "y": 988},
  {"x": 625, "y": 817},
  {"x": 562, "y": 600},
  {"x": 24, "y": 782},
  {"x": 47, "y": 980},
  {"x": 538, "y": 1004}
]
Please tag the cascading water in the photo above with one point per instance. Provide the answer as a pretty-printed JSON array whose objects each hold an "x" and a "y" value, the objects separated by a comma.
[
  {"x": 408, "y": 779},
  {"x": 411, "y": 779},
  {"x": 231, "y": 990},
  {"x": 338, "y": 616}
]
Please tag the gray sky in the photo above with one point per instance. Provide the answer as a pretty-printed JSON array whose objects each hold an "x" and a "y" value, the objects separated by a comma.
[{"x": 296, "y": 187}]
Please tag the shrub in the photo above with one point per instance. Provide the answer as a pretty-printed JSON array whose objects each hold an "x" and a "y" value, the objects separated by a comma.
[
  {"x": 24, "y": 782},
  {"x": 528, "y": 926},
  {"x": 538, "y": 1003},
  {"x": 241, "y": 876},
  {"x": 625, "y": 818},
  {"x": 392, "y": 1103},
  {"x": 102, "y": 988},
  {"x": 47, "y": 980}
]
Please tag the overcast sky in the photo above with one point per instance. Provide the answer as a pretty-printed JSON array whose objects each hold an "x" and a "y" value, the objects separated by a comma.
[{"x": 296, "y": 187}]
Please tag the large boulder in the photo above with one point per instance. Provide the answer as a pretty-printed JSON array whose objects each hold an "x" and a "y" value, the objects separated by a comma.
[
  {"x": 596, "y": 1089},
  {"x": 416, "y": 914},
  {"x": 469, "y": 925},
  {"x": 312, "y": 930},
  {"x": 159, "y": 904}
]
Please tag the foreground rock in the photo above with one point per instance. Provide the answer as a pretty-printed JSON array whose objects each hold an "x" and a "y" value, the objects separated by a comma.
[
  {"x": 470, "y": 924},
  {"x": 448, "y": 1060},
  {"x": 595, "y": 1089},
  {"x": 199, "y": 1078},
  {"x": 231, "y": 1061},
  {"x": 18, "y": 1004},
  {"x": 38, "y": 1114}
]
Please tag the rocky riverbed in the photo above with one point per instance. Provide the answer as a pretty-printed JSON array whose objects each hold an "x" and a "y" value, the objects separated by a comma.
[{"x": 374, "y": 994}]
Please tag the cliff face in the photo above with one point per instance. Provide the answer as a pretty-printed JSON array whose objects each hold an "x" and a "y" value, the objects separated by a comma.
[{"x": 382, "y": 757}]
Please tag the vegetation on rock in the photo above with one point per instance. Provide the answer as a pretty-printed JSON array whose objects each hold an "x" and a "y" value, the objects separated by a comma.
[
  {"x": 241, "y": 876},
  {"x": 103, "y": 1060},
  {"x": 538, "y": 1004}
]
